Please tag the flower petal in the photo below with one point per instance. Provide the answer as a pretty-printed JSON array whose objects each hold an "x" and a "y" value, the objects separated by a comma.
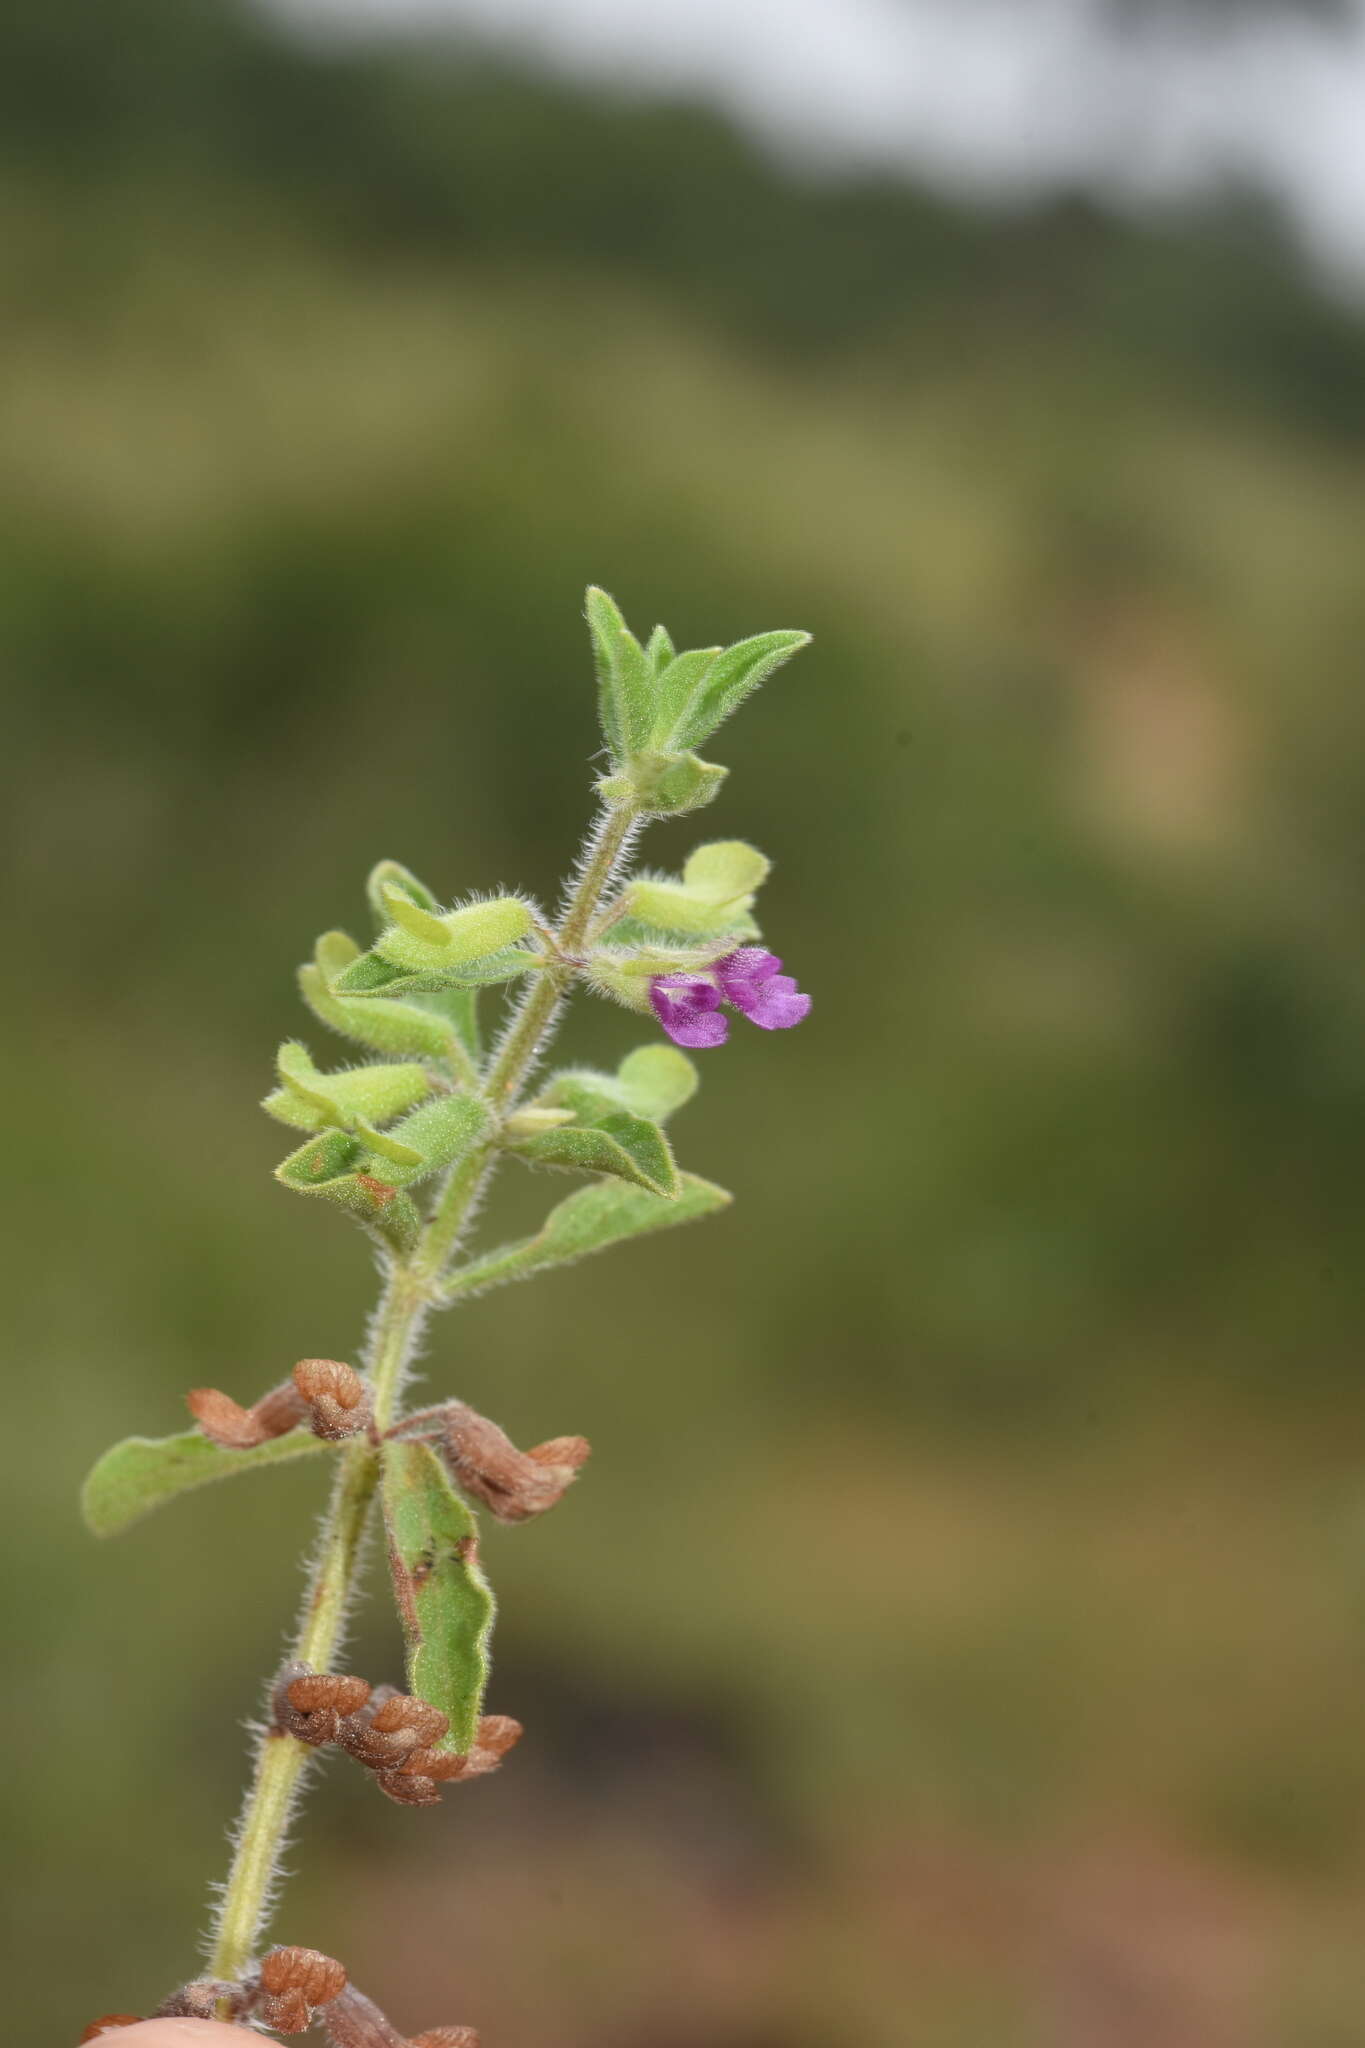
[
  {"x": 749, "y": 964},
  {"x": 776, "y": 1004},
  {"x": 687, "y": 1006},
  {"x": 698, "y": 1029}
]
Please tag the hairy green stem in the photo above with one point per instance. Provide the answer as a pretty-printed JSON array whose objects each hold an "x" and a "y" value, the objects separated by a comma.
[
  {"x": 409, "y": 1294},
  {"x": 610, "y": 837},
  {"x": 264, "y": 1822}
]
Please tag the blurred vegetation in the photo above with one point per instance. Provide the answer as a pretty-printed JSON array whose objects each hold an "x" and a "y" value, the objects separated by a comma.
[{"x": 962, "y": 1618}]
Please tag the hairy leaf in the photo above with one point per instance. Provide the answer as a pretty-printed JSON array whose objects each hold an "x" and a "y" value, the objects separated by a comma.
[
  {"x": 311, "y": 1101},
  {"x": 137, "y": 1475},
  {"x": 392, "y": 1027},
  {"x": 664, "y": 784},
  {"x": 617, "y": 1142},
  {"x": 588, "y": 1222},
  {"x": 372, "y": 975},
  {"x": 346, "y": 1172},
  {"x": 734, "y": 676},
  {"x": 625, "y": 677},
  {"x": 438, "y": 1133},
  {"x": 652, "y": 1081},
  {"x": 659, "y": 650},
  {"x": 418, "y": 941},
  {"x": 445, "y": 1603},
  {"x": 714, "y": 892},
  {"x": 677, "y": 685},
  {"x": 391, "y": 874}
]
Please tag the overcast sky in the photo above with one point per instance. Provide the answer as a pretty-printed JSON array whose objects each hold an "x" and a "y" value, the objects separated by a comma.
[{"x": 997, "y": 95}]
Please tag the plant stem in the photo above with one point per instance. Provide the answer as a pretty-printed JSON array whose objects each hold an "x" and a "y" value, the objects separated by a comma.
[
  {"x": 608, "y": 841},
  {"x": 409, "y": 1294},
  {"x": 281, "y": 1759}
]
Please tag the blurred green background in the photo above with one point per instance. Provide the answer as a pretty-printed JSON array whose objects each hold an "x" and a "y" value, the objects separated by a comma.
[{"x": 959, "y": 1637}]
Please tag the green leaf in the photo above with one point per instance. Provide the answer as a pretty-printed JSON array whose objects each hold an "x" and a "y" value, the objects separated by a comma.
[
  {"x": 372, "y": 975},
  {"x": 419, "y": 942},
  {"x": 391, "y": 874},
  {"x": 666, "y": 785},
  {"x": 724, "y": 869},
  {"x": 445, "y": 1603},
  {"x": 459, "y": 1009},
  {"x": 630, "y": 1147},
  {"x": 677, "y": 685},
  {"x": 656, "y": 1079},
  {"x": 587, "y": 1222},
  {"x": 734, "y": 676},
  {"x": 715, "y": 891},
  {"x": 625, "y": 676},
  {"x": 412, "y": 918},
  {"x": 343, "y": 1170},
  {"x": 632, "y": 935},
  {"x": 659, "y": 650},
  {"x": 437, "y": 1134},
  {"x": 139, "y": 1474},
  {"x": 455, "y": 1008},
  {"x": 311, "y": 1101},
  {"x": 392, "y": 1027},
  {"x": 652, "y": 1081}
]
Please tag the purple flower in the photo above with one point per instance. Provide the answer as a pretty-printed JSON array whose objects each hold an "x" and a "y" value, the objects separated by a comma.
[{"x": 688, "y": 1005}]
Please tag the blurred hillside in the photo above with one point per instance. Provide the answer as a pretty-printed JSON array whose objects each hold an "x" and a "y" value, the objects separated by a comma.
[{"x": 965, "y": 1621}]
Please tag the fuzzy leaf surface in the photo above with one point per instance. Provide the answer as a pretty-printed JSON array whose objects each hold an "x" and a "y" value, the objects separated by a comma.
[
  {"x": 653, "y": 1081},
  {"x": 625, "y": 677},
  {"x": 137, "y": 1475},
  {"x": 659, "y": 650},
  {"x": 311, "y": 1101},
  {"x": 391, "y": 874},
  {"x": 343, "y": 1170},
  {"x": 713, "y": 893},
  {"x": 445, "y": 1603},
  {"x": 392, "y": 1027},
  {"x": 590, "y": 1221},
  {"x": 438, "y": 1133},
  {"x": 678, "y": 683},
  {"x": 372, "y": 975},
  {"x": 735, "y": 675},
  {"x": 629, "y": 1147},
  {"x": 417, "y": 941},
  {"x": 667, "y": 784}
]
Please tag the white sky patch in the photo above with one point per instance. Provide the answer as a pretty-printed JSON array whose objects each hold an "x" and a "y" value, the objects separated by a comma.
[{"x": 993, "y": 96}]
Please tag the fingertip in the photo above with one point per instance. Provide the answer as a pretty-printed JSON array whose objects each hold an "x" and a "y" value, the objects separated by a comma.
[{"x": 170, "y": 2034}]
